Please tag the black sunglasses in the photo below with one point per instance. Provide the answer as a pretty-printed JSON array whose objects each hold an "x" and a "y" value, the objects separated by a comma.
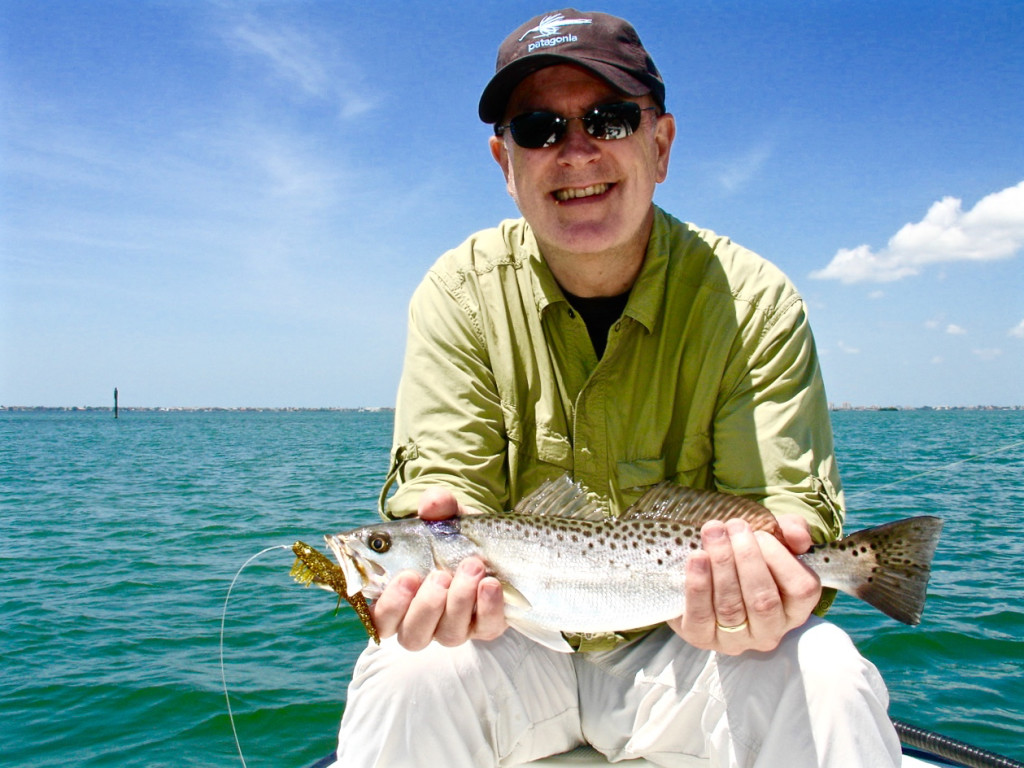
[{"x": 608, "y": 122}]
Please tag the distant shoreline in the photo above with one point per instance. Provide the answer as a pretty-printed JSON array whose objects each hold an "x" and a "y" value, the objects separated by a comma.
[
  {"x": 847, "y": 407},
  {"x": 368, "y": 409},
  {"x": 183, "y": 409}
]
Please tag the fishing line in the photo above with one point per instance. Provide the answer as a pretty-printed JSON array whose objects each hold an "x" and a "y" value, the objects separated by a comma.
[
  {"x": 223, "y": 619},
  {"x": 943, "y": 468}
]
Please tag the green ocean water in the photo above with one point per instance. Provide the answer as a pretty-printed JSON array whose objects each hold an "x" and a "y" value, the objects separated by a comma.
[{"x": 120, "y": 539}]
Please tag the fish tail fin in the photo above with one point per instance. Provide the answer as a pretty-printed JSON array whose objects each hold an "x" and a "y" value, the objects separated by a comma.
[{"x": 887, "y": 566}]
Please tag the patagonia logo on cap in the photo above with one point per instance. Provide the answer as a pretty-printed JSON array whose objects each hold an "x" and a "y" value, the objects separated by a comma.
[
  {"x": 548, "y": 33},
  {"x": 606, "y": 46}
]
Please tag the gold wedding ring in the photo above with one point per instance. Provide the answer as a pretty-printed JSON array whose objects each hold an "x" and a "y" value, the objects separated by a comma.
[{"x": 738, "y": 628}]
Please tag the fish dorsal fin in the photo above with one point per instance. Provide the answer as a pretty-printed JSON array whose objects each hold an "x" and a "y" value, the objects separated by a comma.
[
  {"x": 561, "y": 497},
  {"x": 671, "y": 501}
]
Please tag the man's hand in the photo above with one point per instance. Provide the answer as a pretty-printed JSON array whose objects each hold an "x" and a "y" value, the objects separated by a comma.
[
  {"x": 448, "y": 608},
  {"x": 745, "y": 589}
]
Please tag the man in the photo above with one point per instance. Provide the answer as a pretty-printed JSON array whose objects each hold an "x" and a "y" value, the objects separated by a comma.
[{"x": 599, "y": 336}]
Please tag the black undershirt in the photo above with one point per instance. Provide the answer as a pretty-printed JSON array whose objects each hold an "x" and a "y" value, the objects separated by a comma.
[{"x": 599, "y": 313}]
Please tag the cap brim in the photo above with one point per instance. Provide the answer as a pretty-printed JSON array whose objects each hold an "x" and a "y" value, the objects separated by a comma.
[{"x": 499, "y": 89}]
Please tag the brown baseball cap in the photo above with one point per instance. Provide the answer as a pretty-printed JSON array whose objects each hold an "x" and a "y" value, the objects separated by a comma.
[{"x": 605, "y": 45}]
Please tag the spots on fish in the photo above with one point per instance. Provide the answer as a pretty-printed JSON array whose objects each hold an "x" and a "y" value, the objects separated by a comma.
[{"x": 623, "y": 543}]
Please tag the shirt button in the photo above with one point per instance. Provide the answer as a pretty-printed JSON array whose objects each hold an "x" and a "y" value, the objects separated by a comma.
[{"x": 572, "y": 313}]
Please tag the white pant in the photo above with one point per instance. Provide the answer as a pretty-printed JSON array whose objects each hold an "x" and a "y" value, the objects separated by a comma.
[{"x": 814, "y": 701}]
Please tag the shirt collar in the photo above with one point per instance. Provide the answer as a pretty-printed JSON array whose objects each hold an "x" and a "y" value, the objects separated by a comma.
[{"x": 647, "y": 296}]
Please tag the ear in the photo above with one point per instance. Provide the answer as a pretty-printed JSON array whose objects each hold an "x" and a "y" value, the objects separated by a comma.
[
  {"x": 500, "y": 154},
  {"x": 664, "y": 135}
]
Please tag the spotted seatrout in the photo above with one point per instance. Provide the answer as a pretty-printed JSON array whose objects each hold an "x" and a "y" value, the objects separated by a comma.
[{"x": 565, "y": 567}]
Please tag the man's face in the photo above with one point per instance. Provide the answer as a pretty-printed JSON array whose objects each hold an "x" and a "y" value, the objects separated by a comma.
[{"x": 584, "y": 195}]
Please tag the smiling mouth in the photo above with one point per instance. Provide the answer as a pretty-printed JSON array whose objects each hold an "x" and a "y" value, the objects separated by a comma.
[{"x": 564, "y": 195}]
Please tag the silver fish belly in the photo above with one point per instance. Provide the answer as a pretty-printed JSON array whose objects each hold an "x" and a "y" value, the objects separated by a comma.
[{"x": 583, "y": 576}]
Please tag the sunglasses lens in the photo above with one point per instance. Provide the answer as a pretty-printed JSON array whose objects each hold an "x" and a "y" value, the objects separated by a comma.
[
  {"x": 613, "y": 121},
  {"x": 537, "y": 129},
  {"x": 534, "y": 130}
]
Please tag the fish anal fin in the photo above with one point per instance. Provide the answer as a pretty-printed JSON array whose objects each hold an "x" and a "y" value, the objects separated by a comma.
[{"x": 696, "y": 506}]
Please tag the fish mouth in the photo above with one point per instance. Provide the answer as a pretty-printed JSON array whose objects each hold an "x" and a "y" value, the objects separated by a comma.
[
  {"x": 568, "y": 194},
  {"x": 359, "y": 572}
]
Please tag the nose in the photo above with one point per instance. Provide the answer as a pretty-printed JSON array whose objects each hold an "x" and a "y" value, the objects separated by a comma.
[{"x": 578, "y": 147}]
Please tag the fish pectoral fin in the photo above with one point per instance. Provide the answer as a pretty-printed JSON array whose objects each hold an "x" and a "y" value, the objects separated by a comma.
[
  {"x": 561, "y": 497},
  {"x": 549, "y": 638},
  {"x": 515, "y": 598}
]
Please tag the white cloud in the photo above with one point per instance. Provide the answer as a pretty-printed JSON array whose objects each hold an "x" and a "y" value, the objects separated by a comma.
[
  {"x": 738, "y": 172},
  {"x": 876, "y": 295},
  {"x": 297, "y": 58},
  {"x": 955, "y": 330},
  {"x": 1018, "y": 330},
  {"x": 848, "y": 349},
  {"x": 993, "y": 229}
]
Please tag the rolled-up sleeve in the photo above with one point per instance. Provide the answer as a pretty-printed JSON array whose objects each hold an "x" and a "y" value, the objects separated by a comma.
[
  {"x": 448, "y": 419},
  {"x": 773, "y": 436}
]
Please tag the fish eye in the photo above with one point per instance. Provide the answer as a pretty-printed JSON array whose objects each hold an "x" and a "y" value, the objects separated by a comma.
[{"x": 379, "y": 542}]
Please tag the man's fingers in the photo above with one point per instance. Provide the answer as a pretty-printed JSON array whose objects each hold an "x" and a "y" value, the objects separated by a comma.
[
  {"x": 420, "y": 623},
  {"x": 697, "y": 624},
  {"x": 799, "y": 587},
  {"x": 456, "y": 622},
  {"x": 437, "y": 504},
  {"x": 450, "y": 609},
  {"x": 796, "y": 533},
  {"x": 390, "y": 608},
  {"x": 490, "y": 610},
  {"x": 727, "y": 593},
  {"x": 760, "y": 594},
  {"x": 744, "y": 589}
]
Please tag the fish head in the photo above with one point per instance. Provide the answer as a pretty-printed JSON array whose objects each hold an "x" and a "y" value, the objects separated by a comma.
[{"x": 371, "y": 556}]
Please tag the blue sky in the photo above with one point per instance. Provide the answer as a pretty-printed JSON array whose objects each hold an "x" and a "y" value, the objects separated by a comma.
[{"x": 229, "y": 204}]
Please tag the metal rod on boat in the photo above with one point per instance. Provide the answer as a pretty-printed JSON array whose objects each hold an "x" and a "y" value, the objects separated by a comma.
[{"x": 943, "y": 746}]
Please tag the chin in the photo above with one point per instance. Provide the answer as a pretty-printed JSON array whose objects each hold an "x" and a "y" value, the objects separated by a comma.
[{"x": 597, "y": 237}]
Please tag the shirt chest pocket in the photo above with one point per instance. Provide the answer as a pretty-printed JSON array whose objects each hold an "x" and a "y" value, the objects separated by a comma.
[
  {"x": 535, "y": 454},
  {"x": 691, "y": 466}
]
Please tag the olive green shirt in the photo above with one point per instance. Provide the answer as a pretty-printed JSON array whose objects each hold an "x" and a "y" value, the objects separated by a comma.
[{"x": 710, "y": 378}]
